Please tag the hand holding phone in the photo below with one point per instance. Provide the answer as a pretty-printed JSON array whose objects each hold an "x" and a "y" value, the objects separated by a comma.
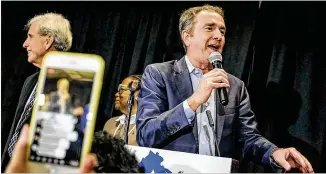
[{"x": 18, "y": 163}]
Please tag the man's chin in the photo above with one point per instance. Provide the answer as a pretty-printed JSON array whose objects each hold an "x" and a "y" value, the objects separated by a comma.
[{"x": 30, "y": 60}]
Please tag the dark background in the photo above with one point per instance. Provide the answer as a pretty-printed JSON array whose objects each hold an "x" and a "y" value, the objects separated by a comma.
[{"x": 277, "y": 49}]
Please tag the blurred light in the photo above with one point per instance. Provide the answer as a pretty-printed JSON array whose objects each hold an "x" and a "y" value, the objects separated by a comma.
[{"x": 41, "y": 100}]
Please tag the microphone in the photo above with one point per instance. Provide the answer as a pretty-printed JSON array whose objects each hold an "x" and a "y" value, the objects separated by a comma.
[
  {"x": 216, "y": 60},
  {"x": 133, "y": 87},
  {"x": 211, "y": 124}
]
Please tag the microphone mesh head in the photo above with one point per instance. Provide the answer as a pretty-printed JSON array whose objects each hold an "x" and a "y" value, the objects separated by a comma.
[{"x": 215, "y": 56}]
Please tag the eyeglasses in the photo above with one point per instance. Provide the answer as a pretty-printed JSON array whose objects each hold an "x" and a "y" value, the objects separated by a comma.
[{"x": 122, "y": 87}]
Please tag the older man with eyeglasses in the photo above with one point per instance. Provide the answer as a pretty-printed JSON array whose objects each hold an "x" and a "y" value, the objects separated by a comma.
[{"x": 116, "y": 125}]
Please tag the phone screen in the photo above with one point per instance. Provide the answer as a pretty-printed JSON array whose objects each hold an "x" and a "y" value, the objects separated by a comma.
[{"x": 61, "y": 117}]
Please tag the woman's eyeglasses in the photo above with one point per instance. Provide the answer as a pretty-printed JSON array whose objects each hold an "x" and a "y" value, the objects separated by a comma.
[
  {"x": 134, "y": 85},
  {"x": 122, "y": 87}
]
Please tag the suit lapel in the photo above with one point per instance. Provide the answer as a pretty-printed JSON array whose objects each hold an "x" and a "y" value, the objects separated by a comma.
[
  {"x": 29, "y": 88},
  {"x": 184, "y": 86},
  {"x": 182, "y": 79},
  {"x": 26, "y": 92},
  {"x": 219, "y": 121}
]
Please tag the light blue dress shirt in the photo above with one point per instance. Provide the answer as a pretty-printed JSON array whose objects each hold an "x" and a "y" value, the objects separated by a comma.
[{"x": 205, "y": 133}]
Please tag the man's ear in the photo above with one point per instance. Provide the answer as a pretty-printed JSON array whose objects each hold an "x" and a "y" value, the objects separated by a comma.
[
  {"x": 185, "y": 37},
  {"x": 49, "y": 40}
]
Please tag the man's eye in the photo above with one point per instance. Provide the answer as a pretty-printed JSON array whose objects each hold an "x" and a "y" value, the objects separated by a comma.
[{"x": 209, "y": 28}]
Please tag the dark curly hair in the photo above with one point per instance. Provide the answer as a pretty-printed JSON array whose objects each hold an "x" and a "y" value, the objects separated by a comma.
[{"x": 112, "y": 156}]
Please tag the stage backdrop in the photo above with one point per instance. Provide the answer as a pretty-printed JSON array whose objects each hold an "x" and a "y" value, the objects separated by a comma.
[{"x": 276, "y": 48}]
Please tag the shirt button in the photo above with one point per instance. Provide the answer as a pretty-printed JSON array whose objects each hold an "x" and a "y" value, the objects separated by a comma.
[{"x": 203, "y": 142}]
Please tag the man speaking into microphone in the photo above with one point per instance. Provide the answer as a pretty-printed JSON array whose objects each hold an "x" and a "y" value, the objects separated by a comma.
[{"x": 188, "y": 105}]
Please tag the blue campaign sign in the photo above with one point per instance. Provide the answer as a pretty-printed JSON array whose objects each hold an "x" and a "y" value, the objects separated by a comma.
[
  {"x": 152, "y": 162},
  {"x": 166, "y": 161}
]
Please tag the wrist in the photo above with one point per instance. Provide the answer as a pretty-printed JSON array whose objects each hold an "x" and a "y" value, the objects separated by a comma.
[
  {"x": 273, "y": 152},
  {"x": 193, "y": 104},
  {"x": 274, "y": 164}
]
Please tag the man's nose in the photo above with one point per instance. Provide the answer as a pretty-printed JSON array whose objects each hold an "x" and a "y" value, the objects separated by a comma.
[
  {"x": 25, "y": 44},
  {"x": 218, "y": 35}
]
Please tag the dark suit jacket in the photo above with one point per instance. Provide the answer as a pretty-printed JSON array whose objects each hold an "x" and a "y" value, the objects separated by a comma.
[
  {"x": 161, "y": 121},
  {"x": 55, "y": 106},
  {"x": 27, "y": 89}
]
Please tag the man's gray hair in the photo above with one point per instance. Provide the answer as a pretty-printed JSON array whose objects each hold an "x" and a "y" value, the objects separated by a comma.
[{"x": 55, "y": 25}]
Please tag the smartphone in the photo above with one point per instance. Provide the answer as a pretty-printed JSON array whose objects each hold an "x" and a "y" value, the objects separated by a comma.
[{"x": 64, "y": 113}]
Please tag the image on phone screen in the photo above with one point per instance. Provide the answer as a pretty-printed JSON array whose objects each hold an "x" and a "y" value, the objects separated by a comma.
[{"x": 61, "y": 117}]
